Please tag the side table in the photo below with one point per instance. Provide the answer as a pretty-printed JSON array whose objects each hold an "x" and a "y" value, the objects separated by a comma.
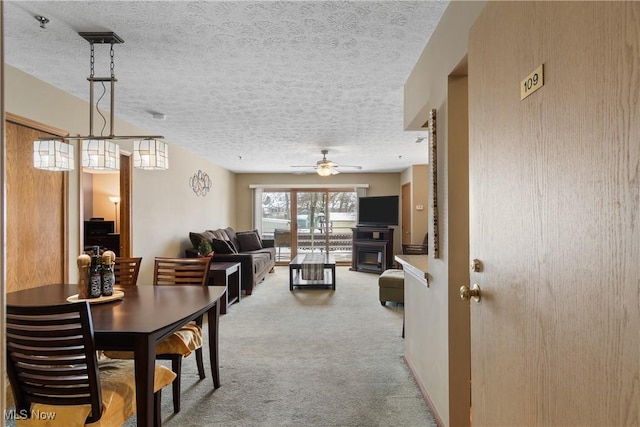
[{"x": 226, "y": 274}]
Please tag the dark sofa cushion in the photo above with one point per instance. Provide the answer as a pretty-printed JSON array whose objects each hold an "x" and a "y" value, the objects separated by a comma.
[
  {"x": 260, "y": 262},
  {"x": 249, "y": 241},
  {"x": 233, "y": 238},
  {"x": 223, "y": 247}
]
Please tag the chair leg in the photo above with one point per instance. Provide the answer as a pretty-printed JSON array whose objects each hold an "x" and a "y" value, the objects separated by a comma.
[
  {"x": 200, "y": 363},
  {"x": 157, "y": 406},
  {"x": 176, "y": 366}
]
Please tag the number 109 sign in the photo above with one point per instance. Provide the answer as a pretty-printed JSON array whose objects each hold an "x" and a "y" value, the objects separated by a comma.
[{"x": 532, "y": 83}]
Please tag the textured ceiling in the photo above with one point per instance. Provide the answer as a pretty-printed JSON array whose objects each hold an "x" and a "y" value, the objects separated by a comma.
[{"x": 251, "y": 86}]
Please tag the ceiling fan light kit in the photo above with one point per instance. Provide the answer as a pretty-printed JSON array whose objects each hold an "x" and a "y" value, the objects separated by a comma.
[
  {"x": 326, "y": 167},
  {"x": 98, "y": 152},
  {"x": 325, "y": 170}
]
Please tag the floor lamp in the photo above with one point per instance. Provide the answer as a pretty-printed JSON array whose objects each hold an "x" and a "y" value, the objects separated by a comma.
[{"x": 115, "y": 200}]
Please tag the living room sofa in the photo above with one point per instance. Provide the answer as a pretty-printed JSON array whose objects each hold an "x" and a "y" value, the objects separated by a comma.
[{"x": 256, "y": 256}]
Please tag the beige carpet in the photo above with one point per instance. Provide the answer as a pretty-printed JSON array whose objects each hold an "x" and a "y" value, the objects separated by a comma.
[{"x": 310, "y": 357}]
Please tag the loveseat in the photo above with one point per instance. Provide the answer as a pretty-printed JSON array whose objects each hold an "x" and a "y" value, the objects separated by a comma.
[{"x": 256, "y": 256}]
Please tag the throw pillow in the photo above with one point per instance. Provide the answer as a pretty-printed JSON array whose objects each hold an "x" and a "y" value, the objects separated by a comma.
[
  {"x": 249, "y": 241},
  {"x": 222, "y": 247},
  {"x": 233, "y": 238}
]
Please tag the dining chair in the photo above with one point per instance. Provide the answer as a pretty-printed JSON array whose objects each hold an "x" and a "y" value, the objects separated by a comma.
[
  {"x": 53, "y": 368},
  {"x": 126, "y": 271},
  {"x": 175, "y": 272}
]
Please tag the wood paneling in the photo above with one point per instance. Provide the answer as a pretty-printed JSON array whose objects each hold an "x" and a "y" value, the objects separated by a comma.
[
  {"x": 36, "y": 215},
  {"x": 555, "y": 214}
]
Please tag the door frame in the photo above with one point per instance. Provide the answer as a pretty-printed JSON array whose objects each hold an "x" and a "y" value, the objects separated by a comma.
[{"x": 407, "y": 224}]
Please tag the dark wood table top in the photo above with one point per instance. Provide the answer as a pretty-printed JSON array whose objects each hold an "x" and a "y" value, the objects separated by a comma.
[{"x": 144, "y": 309}]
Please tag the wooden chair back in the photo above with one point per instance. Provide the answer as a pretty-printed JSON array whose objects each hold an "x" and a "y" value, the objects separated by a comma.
[
  {"x": 126, "y": 271},
  {"x": 51, "y": 357},
  {"x": 181, "y": 271}
]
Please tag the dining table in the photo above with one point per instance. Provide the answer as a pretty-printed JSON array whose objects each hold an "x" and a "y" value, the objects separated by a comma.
[{"x": 137, "y": 321}]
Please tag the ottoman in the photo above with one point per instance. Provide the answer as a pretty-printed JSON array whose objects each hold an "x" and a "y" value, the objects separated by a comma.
[{"x": 391, "y": 285}]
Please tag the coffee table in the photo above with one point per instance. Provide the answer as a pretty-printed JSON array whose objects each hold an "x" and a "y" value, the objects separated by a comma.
[{"x": 329, "y": 276}]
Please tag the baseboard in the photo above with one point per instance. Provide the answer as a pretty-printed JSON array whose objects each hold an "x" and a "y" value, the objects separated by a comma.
[{"x": 424, "y": 393}]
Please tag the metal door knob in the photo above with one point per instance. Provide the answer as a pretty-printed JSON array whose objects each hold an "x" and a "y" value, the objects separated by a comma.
[{"x": 473, "y": 293}]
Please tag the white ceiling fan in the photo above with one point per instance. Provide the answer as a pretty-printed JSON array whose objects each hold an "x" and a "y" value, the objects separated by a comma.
[{"x": 326, "y": 167}]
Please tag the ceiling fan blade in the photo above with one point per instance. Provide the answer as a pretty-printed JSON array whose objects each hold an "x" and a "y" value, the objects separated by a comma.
[
  {"x": 349, "y": 166},
  {"x": 298, "y": 166},
  {"x": 334, "y": 171}
]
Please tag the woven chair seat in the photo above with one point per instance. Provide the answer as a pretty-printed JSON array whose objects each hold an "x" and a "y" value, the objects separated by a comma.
[
  {"x": 184, "y": 341},
  {"x": 117, "y": 381}
]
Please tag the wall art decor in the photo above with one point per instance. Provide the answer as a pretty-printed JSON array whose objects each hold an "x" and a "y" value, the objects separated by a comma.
[
  {"x": 200, "y": 183},
  {"x": 433, "y": 166}
]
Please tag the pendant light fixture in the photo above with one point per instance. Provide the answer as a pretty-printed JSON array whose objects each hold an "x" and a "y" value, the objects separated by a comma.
[
  {"x": 150, "y": 154},
  {"x": 53, "y": 155},
  {"x": 100, "y": 152}
]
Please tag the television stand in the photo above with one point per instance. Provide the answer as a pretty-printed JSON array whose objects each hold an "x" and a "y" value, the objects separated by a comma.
[{"x": 372, "y": 250}]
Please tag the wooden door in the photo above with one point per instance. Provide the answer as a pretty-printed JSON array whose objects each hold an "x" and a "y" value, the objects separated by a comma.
[
  {"x": 555, "y": 214},
  {"x": 37, "y": 238},
  {"x": 406, "y": 214}
]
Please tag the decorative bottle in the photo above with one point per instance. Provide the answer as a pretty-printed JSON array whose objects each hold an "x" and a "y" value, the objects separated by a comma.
[
  {"x": 84, "y": 265},
  {"x": 108, "y": 277},
  {"x": 95, "y": 278}
]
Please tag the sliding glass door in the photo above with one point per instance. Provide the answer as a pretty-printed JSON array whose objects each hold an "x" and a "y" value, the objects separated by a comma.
[
  {"x": 276, "y": 221},
  {"x": 323, "y": 221},
  {"x": 312, "y": 232}
]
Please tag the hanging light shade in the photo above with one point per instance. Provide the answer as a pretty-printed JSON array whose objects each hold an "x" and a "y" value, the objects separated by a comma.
[
  {"x": 324, "y": 170},
  {"x": 150, "y": 154},
  {"x": 100, "y": 154},
  {"x": 53, "y": 155}
]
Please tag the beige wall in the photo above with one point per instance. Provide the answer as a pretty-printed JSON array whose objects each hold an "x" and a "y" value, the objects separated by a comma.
[
  {"x": 104, "y": 185},
  {"x": 419, "y": 196},
  {"x": 381, "y": 184},
  {"x": 164, "y": 207},
  {"x": 427, "y": 349}
]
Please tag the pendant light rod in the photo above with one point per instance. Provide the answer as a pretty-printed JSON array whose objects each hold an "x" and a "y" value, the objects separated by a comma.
[{"x": 112, "y": 39}]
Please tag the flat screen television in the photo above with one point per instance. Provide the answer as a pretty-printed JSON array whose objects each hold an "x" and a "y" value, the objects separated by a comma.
[{"x": 378, "y": 211}]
